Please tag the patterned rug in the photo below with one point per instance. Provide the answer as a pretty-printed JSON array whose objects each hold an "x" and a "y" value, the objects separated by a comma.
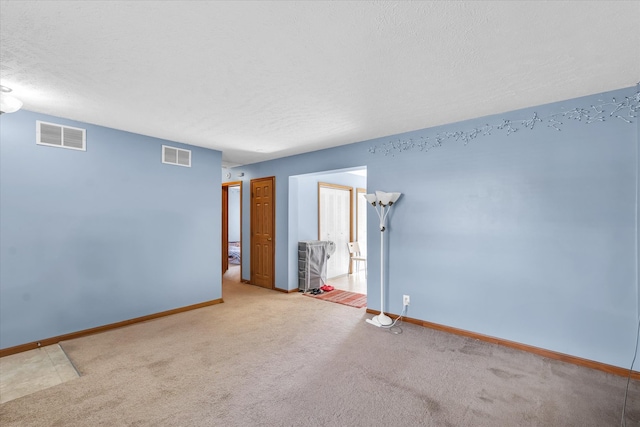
[{"x": 351, "y": 299}]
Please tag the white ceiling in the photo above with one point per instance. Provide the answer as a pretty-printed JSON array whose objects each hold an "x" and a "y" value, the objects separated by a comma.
[{"x": 262, "y": 80}]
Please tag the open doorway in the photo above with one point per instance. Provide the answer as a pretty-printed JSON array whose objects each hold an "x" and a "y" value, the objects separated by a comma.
[
  {"x": 232, "y": 231},
  {"x": 305, "y": 212}
]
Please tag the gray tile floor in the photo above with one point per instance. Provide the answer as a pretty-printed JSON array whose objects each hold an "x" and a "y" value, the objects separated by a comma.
[{"x": 34, "y": 370}]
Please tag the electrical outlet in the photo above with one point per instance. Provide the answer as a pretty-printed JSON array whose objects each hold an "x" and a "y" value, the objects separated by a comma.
[{"x": 406, "y": 300}]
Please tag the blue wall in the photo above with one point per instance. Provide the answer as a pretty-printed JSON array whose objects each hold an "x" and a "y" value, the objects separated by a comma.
[
  {"x": 529, "y": 237},
  {"x": 96, "y": 237}
]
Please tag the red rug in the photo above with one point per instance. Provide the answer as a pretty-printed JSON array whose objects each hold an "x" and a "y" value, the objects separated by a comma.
[{"x": 351, "y": 299}]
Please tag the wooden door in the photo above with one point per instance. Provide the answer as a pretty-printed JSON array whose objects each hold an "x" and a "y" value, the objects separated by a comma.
[{"x": 263, "y": 232}]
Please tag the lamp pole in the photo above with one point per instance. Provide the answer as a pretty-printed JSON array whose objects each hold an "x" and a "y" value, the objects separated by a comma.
[
  {"x": 383, "y": 319},
  {"x": 382, "y": 203}
]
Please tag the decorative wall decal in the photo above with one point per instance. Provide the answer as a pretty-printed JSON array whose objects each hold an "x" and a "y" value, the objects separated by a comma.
[{"x": 625, "y": 110}]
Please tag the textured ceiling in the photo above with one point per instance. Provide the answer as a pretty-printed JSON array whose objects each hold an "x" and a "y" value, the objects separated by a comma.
[{"x": 261, "y": 80}]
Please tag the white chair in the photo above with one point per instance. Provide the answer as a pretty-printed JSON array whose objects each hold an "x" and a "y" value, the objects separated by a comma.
[{"x": 355, "y": 255}]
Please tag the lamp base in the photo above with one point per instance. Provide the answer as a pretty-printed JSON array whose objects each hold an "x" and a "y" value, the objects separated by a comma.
[{"x": 380, "y": 320}]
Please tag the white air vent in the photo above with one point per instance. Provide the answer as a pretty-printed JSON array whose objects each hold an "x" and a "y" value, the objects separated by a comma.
[
  {"x": 61, "y": 136},
  {"x": 176, "y": 156}
]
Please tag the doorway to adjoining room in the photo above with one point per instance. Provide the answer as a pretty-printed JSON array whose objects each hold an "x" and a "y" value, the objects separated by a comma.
[
  {"x": 232, "y": 230},
  {"x": 325, "y": 206}
]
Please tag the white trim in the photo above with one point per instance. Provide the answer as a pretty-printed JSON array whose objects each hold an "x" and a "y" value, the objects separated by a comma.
[
  {"x": 63, "y": 127},
  {"x": 178, "y": 150}
]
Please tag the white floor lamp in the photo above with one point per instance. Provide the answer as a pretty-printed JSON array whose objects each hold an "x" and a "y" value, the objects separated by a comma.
[{"x": 380, "y": 201}]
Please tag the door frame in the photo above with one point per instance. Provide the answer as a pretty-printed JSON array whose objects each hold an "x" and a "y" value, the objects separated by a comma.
[
  {"x": 225, "y": 224},
  {"x": 272, "y": 258},
  {"x": 359, "y": 192}
]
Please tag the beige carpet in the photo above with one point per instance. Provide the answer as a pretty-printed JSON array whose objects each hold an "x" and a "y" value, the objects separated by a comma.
[{"x": 264, "y": 358}]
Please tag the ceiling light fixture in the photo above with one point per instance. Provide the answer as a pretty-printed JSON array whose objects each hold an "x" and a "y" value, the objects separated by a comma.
[{"x": 8, "y": 104}]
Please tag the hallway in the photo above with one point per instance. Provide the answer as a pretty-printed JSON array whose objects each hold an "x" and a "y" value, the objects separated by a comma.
[{"x": 356, "y": 282}]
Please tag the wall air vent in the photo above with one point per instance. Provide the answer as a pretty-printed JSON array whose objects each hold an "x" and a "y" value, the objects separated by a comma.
[
  {"x": 176, "y": 156},
  {"x": 55, "y": 135}
]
